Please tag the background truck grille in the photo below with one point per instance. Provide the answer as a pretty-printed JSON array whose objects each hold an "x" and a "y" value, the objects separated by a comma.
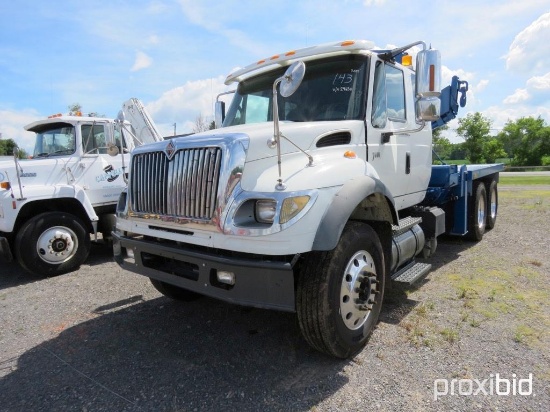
[{"x": 185, "y": 186}]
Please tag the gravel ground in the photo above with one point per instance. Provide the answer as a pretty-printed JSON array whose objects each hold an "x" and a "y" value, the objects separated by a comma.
[{"x": 101, "y": 339}]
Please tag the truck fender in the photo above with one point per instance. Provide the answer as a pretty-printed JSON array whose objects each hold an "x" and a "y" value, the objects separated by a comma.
[
  {"x": 345, "y": 203},
  {"x": 82, "y": 197}
]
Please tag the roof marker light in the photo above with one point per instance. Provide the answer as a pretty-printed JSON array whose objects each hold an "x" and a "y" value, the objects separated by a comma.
[
  {"x": 347, "y": 43},
  {"x": 261, "y": 62},
  {"x": 274, "y": 57},
  {"x": 290, "y": 53}
]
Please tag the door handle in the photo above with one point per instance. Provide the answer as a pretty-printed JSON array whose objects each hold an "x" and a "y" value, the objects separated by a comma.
[{"x": 408, "y": 163}]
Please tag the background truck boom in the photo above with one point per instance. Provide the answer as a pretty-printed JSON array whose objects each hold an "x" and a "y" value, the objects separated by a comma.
[{"x": 317, "y": 190}]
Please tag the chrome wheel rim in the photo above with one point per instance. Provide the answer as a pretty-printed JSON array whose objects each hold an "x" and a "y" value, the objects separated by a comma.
[
  {"x": 481, "y": 213},
  {"x": 358, "y": 290},
  {"x": 493, "y": 204},
  {"x": 57, "y": 245}
]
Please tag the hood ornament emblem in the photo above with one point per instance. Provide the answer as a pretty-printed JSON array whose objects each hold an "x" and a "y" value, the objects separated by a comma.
[{"x": 170, "y": 150}]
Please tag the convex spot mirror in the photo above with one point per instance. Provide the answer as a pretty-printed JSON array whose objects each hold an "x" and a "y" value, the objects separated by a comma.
[{"x": 292, "y": 78}]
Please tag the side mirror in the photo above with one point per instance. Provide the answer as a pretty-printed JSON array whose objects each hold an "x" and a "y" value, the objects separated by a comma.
[
  {"x": 428, "y": 85},
  {"x": 112, "y": 150},
  {"x": 292, "y": 78}
]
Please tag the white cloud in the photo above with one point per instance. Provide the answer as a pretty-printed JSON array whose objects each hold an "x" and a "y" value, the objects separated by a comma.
[
  {"x": 500, "y": 116},
  {"x": 183, "y": 104},
  {"x": 520, "y": 95},
  {"x": 206, "y": 18},
  {"x": 537, "y": 91},
  {"x": 142, "y": 61},
  {"x": 540, "y": 83},
  {"x": 528, "y": 52},
  {"x": 11, "y": 126}
]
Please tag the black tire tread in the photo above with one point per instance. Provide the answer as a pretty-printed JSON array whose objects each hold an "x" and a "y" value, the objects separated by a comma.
[
  {"x": 25, "y": 250},
  {"x": 313, "y": 308}
]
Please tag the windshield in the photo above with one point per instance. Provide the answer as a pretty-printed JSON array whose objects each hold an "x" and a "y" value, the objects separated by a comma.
[
  {"x": 57, "y": 140},
  {"x": 333, "y": 89}
]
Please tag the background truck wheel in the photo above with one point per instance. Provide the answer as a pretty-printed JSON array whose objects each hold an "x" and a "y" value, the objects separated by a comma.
[
  {"x": 52, "y": 243},
  {"x": 340, "y": 292},
  {"x": 477, "y": 213},
  {"x": 492, "y": 205},
  {"x": 174, "y": 292}
]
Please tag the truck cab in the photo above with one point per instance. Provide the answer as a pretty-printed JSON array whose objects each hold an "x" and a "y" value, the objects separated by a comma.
[
  {"x": 68, "y": 189},
  {"x": 310, "y": 196}
]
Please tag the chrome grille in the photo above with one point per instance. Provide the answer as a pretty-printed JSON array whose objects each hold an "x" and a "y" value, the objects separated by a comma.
[{"x": 185, "y": 186}]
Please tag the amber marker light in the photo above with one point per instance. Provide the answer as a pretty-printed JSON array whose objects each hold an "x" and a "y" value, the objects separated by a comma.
[
  {"x": 407, "y": 60},
  {"x": 274, "y": 57},
  {"x": 5, "y": 185},
  {"x": 347, "y": 43},
  {"x": 350, "y": 154},
  {"x": 290, "y": 53}
]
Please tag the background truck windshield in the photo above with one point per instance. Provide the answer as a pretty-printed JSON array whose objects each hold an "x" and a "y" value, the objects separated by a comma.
[
  {"x": 57, "y": 140},
  {"x": 333, "y": 89}
]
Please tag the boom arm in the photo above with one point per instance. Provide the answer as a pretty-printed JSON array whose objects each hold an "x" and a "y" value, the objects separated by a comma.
[{"x": 449, "y": 101}]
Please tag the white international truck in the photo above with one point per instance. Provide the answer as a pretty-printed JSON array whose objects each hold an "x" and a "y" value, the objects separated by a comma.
[
  {"x": 50, "y": 204},
  {"x": 317, "y": 190}
]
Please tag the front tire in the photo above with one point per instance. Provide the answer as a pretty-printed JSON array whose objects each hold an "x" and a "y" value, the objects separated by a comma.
[
  {"x": 340, "y": 292},
  {"x": 52, "y": 243}
]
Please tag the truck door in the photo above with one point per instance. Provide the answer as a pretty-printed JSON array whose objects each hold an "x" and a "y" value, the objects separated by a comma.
[
  {"x": 397, "y": 149},
  {"x": 99, "y": 173}
]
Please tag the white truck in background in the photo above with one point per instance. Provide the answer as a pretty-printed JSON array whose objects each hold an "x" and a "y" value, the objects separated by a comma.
[
  {"x": 316, "y": 191},
  {"x": 51, "y": 203}
]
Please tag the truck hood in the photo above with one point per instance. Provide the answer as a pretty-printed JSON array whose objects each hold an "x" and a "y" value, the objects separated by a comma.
[
  {"x": 36, "y": 171},
  {"x": 305, "y": 135}
]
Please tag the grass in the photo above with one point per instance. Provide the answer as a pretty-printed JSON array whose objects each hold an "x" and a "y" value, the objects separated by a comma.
[{"x": 524, "y": 180}]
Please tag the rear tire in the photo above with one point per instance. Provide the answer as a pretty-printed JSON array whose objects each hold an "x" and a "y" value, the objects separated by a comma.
[
  {"x": 477, "y": 213},
  {"x": 492, "y": 205},
  {"x": 340, "y": 292},
  {"x": 52, "y": 243},
  {"x": 174, "y": 292}
]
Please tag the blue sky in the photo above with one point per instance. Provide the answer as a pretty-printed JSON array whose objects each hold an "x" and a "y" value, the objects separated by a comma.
[{"x": 175, "y": 54}]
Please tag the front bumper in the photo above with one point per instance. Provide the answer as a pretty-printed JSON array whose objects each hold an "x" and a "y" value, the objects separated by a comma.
[{"x": 259, "y": 283}]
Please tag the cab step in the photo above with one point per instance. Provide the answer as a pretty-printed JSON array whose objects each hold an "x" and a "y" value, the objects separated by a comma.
[
  {"x": 404, "y": 225},
  {"x": 411, "y": 273}
]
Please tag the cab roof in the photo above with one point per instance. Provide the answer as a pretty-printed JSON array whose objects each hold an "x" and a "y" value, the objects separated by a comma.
[{"x": 308, "y": 53}]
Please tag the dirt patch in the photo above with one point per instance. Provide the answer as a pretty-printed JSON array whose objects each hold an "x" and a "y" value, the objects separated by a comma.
[{"x": 101, "y": 339}]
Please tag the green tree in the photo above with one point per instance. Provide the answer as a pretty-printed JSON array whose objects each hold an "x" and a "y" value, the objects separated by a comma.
[
  {"x": 7, "y": 146},
  {"x": 474, "y": 129},
  {"x": 74, "y": 109},
  {"x": 526, "y": 140},
  {"x": 493, "y": 150},
  {"x": 441, "y": 145}
]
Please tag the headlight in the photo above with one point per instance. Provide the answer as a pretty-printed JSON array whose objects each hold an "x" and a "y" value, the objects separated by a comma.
[
  {"x": 265, "y": 210},
  {"x": 291, "y": 207}
]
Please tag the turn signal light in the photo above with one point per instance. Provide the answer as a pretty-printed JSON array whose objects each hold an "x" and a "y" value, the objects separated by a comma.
[
  {"x": 5, "y": 185},
  {"x": 350, "y": 154}
]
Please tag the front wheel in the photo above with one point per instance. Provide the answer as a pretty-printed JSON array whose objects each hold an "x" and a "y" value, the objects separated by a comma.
[
  {"x": 52, "y": 243},
  {"x": 340, "y": 292}
]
